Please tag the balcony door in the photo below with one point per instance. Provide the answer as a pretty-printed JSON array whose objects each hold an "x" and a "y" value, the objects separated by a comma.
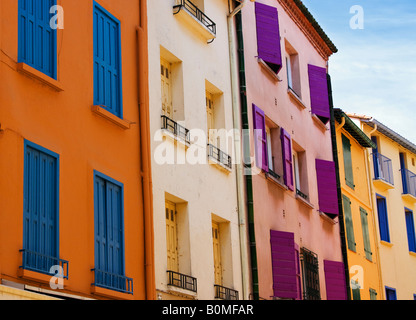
[
  {"x": 166, "y": 79},
  {"x": 217, "y": 253},
  {"x": 210, "y": 118},
  {"x": 171, "y": 236}
]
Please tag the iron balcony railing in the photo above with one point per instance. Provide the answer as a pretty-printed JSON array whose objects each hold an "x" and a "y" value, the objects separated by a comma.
[
  {"x": 116, "y": 282},
  {"x": 225, "y": 293},
  {"x": 409, "y": 182},
  {"x": 42, "y": 263},
  {"x": 176, "y": 129},
  {"x": 197, "y": 13},
  {"x": 383, "y": 168},
  {"x": 220, "y": 156},
  {"x": 182, "y": 281}
]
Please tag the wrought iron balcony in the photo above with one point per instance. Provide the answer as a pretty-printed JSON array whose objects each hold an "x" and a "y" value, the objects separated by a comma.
[
  {"x": 182, "y": 281},
  {"x": 220, "y": 156},
  {"x": 310, "y": 275},
  {"x": 409, "y": 182},
  {"x": 225, "y": 293},
  {"x": 34, "y": 261},
  {"x": 383, "y": 168},
  {"x": 116, "y": 282},
  {"x": 176, "y": 129},
  {"x": 195, "y": 12}
]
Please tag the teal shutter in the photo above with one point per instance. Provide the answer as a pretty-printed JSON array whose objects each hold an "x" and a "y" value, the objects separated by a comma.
[
  {"x": 366, "y": 235},
  {"x": 346, "y": 147},
  {"x": 356, "y": 295},
  {"x": 348, "y": 223},
  {"x": 373, "y": 294}
]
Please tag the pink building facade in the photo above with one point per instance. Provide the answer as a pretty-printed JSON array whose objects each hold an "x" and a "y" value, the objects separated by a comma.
[{"x": 293, "y": 207}]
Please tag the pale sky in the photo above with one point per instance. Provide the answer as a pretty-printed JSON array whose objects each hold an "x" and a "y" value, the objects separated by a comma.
[{"x": 374, "y": 71}]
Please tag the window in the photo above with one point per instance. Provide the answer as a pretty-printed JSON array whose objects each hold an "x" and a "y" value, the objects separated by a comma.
[
  {"x": 348, "y": 223},
  {"x": 216, "y": 242},
  {"x": 107, "y": 61},
  {"x": 109, "y": 235},
  {"x": 366, "y": 234},
  {"x": 373, "y": 294},
  {"x": 310, "y": 275},
  {"x": 383, "y": 218},
  {"x": 166, "y": 81},
  {"x": 410, "y": 227},
  {"x": 300, "y": 171},
  {"x": 293, "y": 70},
  {"x": 391, "y": 294},
  {"x": 348, "y": 169},
  {"x": 40, "y": 209},
  {"x": 37, "y": 40},
  {"x": 274, "y": 150}
]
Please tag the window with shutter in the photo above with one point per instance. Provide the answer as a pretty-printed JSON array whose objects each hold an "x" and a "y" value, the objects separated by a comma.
[
  {"x": 36, "y": 38},
  {"x": 318, "y": 86},
  {"x": 287, "y": 159},
  {"x": 348, "y": 169},
  {"x": 348, "y": 223},
  {"x": 40, "y": 208},
  {"x": 268, "y": 36},
  {"x": 107, "y": 61},
  {"x": 366, "y": 234},
  {"x": 391, "y": 294},
  {"x": 410, "y": 227},
  {"x": 260, "y": 138},
  {"x": 383, "y": 218}
]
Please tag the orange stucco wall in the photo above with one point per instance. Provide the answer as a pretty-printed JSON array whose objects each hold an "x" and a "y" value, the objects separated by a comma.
[{"x": 63, "y": 122}]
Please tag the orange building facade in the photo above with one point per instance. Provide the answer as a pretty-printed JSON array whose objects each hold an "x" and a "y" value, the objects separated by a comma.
[{"x": 75, "y": 187}]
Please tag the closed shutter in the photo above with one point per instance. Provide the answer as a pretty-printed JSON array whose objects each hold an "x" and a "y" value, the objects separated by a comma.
[
  {"x": 366, "y": 234},
  {"x": 348, "y": 223},
  {"x": 107, "y": 61},
  {"x": 260, "y": 138},
  {"x": 287, "y": 159},
  {"x": 383, "y": 219},
  {"x": 37, "y": 40},
  {"x": 268, "y": 36},
  {"x": 171, "y": 237},
  {"x": 327, "y": 187},
  {"x": 318, "y": 86},
  {"x": 410, "y": 227},
  {"x": 335, "y": 280},
  {"x": 40, "y": 225},
  {"x": 346, "y": 147},
  {"x": 284, "y": 266}
]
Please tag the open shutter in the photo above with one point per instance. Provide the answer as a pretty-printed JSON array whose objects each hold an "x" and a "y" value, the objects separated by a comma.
[
  {"x": 287, "y": 158},
  {"x": 348, "y": 223},
  {"x": 268, "y": 36},
  {"x": 336, "y": 288},
  {"x": 366, "y": 234},
  {"x": 327, "y": 187},
  {"x": 318, "y": 85},
  {"x": 346, "y": 147},
  {"x": 260, "y": 138},
  {"x": 284, "y": 264},
  {"x": 101, "y": 250},
  {"x": 383, "y": 219}
]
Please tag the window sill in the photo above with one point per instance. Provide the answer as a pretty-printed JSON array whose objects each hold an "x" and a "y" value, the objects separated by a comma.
[
  {"x": 276, "y": 181},
  {"x": 304, "y": 201},
  {"x": 387, "y": 244},
  {"x": 328, "y": 219},
  {"x": 31, "y": 72},
  {"x": 170, "y": 136},
  {"x": 409, "y": 197},
  {"x": 275, "y": 77},
  {"x": 108, "y": 293},
  {"x": 382, "y": 185},
  {"x": 99, "y": 110},
  {"x": 319, "y": 123},
  {"x": 183, "y": 14},
  {"x": 219, "y": 165},
  {"x": 296, "y": 98}
]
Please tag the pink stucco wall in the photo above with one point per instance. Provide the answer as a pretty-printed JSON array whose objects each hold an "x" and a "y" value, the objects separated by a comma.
[{"x": 274, "y": 207}]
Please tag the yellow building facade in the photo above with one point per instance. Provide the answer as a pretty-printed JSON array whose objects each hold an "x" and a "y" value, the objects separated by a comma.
[{"x": 359, "y": 220}]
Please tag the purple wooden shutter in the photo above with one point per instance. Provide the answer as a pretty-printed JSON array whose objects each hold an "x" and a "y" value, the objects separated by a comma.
[
  {"x": 268, "y": 36},
  {"x": 284, "y": 264},
  {"x": 336, "y": 288},
  {"x": 318, "y": 85},
  {"x": 327, "y": 187},
  {"x": 260, "y": 138},
  {"x": 287, "y": 159}
]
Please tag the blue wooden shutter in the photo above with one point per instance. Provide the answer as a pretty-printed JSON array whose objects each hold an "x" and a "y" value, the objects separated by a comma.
[
  {"x": 284, "y": 264},
  {"x": 107, "y": 61},
  {"x": 260, "y": 138},
  {"x": 286, "y": 142},
  {"x": 410, "y": 227},
  {"x": 40, "y": 226},
  {"x": 383, "y": 219},
  {"x": 37, "y": 40},
  {"x": 327, "y": 187},
  {"x": 101, "y": 251},
  {"x": 268, "y": 36},
  {"x": 336, "y": 288},
  {"x": 318, "y": 86}
]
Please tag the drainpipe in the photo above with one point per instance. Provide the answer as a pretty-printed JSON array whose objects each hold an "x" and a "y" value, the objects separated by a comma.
[
  {"x": 244, "y": 168},
  {"x": 340, "y": 207},
  {"x": 237, "y": 151}
]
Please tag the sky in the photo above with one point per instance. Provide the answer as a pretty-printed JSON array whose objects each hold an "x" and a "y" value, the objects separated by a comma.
[{"x": 374, "y": 70}]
